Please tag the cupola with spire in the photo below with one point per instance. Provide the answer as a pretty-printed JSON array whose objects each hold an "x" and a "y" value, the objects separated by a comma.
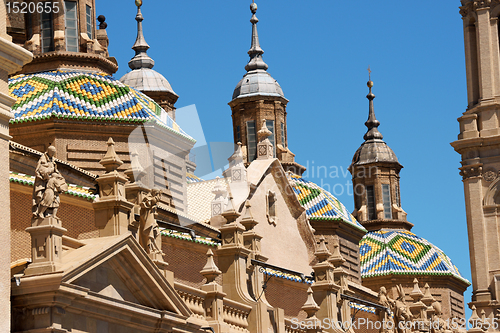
[
  {"x": 142, "y": 75},
  {"x": 375, "y": 174},
  {"x": 390, "y": 254},
  {"x": 258, "y": 95}
]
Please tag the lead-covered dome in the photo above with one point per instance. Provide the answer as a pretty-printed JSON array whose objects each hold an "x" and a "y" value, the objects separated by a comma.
[
  {"x": 374, "y": 151},
  {"x": 257, "y": 82},
  {"x": 146, "y": 79}
]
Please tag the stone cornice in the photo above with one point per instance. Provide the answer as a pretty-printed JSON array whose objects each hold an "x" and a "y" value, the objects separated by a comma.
[
  {"x": 12, "y": 56},
  {"x": 257, "y": 97},
  {"x": 70, "y": 60},
  {"x": 472, "y": 6},
  {"x": 476, "y": 143}
]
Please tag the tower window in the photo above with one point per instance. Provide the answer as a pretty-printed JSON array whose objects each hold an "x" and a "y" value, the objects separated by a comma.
[
  {"x": 71, "y": 26},
  {"x": 90, "y": 26},
  {"x": 47, "y": 32},
  {"x": 270, "y": 126},
  {"x": 370, "y": 202},
  {"x": 283, "y": 134},
  {"x": 386, "y": 197},
  {"x": 238, "y": 134},
  {"x": 29, "y": 26},
  {"x": 251, "y": 141},
  {"x": 398, "y": 198}
]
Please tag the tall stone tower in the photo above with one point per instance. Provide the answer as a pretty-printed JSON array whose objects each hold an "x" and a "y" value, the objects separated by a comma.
[
  {"x": 375, "y": 174},
  {"x": 478, "y": 146},
  {"x": 63, "y": 35},
  {"x": 390, "y": 254},
  {"x": 12, "y": 58},
  {"x": 256, "y": 97}
]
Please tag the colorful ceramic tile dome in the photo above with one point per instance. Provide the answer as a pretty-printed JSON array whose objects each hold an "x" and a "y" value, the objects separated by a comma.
[
  {"x": 85, "y": 96},
  {"x": 388, "y": 251},
  {"x": 319, "y": 203}
]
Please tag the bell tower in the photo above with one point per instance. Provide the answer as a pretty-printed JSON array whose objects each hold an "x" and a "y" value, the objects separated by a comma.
[
  {"x": 61, "y": 34},
  {"x": 259, "y": 96},
  {"x": 478, "y": 146},
  {"x": 375, "y": 176}
]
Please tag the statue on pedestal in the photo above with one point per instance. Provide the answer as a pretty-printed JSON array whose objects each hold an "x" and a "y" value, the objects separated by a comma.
[{"x": 48, "y": 185}]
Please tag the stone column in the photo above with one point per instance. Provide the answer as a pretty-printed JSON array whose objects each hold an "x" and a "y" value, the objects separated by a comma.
[
  {"x": 485, "y": 50},
  {"x": 476, "y": 230},
  {"x": 12, "y": 58}
]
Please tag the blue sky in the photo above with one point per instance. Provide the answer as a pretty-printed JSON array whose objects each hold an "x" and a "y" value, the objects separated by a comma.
[{"x": 319, "y": 52}]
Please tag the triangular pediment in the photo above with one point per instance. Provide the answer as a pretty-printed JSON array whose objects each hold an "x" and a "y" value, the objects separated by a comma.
[
  {"x": 110, "y": 280},
  {"x": 117, "y": 268}
]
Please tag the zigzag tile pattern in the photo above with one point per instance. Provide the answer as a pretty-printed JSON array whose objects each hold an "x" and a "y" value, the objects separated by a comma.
[
  {"x": 83, "y": 95},
  {"x": 385, "y": 252},
  {"x": 319, "y": 203}
]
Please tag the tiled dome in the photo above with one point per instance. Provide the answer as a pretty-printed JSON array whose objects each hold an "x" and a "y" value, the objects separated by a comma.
[
  {"x": 389, "y": 251},
  {"x": 85, "y": 96},
  {"x": 319, "y": 203}
]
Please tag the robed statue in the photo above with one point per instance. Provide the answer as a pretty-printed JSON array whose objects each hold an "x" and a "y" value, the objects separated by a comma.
[
  {"x": 148, "y": 230},
  {"x": 48, "y": 185}
]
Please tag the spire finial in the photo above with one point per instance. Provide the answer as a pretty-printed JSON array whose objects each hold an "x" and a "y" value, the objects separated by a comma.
[
  {"x": 141, "y": 58},
  {"x": 255, "y": 52},
  {"x": 372, "y": 123}
]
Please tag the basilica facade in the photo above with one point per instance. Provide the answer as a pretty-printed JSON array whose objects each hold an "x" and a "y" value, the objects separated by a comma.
[{"x": 110, "y": 230}]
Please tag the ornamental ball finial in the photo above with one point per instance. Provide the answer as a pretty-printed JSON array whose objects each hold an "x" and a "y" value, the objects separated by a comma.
[
  {"x": 369, "y": 84},
  {"x": 253, "y": 7},
  {"x": 138, "y": 3}
]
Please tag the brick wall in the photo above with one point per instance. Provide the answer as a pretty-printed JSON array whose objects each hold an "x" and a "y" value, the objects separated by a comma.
[
  {"x": 186, "y": 259},
  {"x": 368, "y": 322},
  {"x": 287, "y": 295},
  {"x": 78, "y": 220}
]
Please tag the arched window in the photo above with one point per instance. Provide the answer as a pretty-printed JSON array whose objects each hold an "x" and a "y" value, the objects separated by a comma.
[
  {"x": 370, "y": 202},
  {"x": 90, "y": 21},
  {"x": 71, "y": 15},
  {"x": 386, "y": 200}
]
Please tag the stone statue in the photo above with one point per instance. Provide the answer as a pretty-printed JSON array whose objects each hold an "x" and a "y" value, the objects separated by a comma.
[
  {"x": 385, "y": 316},
  {"x": 439, "y": 325},
  {"x": 401, "y": 312},
  {"x": 149, "y": 231},
  {"x": 48, "y": 185}
]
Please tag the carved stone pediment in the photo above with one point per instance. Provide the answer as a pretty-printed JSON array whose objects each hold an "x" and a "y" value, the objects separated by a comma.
[{"x": 122, "y": 271}]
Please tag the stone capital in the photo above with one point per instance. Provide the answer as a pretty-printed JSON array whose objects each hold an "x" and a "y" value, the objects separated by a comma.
[{"x": 471, "y": 171}]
